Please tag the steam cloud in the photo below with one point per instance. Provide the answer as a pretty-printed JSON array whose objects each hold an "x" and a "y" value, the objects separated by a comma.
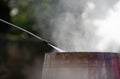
[
  {"x": 80, "y": 25},
  {"x": 76, "y": 24}
]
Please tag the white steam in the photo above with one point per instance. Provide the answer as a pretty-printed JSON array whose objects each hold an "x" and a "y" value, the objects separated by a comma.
[
  {"x": 109, "y": 30},
  {"x": 83, "y": 25},
  {"x": 73, "y": 30}
]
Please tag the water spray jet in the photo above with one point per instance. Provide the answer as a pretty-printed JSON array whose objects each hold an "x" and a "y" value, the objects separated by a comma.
[{"x": 30, "y": 33}]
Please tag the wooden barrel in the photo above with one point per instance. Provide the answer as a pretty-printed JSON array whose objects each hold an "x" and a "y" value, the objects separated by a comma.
[{"x": 81, "y": 66}]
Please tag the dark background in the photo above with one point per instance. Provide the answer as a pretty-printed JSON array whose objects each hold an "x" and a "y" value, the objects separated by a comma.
[{"x": 18, "y": 54}]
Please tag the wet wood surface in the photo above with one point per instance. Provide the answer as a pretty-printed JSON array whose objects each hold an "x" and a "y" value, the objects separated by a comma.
[{"x": 81, "y": 66}]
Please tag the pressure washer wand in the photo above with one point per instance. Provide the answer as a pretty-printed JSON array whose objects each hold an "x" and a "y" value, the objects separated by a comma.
[{"x": 45, "y": 41}]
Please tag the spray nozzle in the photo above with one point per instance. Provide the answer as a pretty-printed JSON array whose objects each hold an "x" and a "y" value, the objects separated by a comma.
[{"x": 45, "y": 41}]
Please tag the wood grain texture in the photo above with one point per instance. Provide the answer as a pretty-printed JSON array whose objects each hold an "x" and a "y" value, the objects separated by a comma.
[{"x": 81, "y": 66}]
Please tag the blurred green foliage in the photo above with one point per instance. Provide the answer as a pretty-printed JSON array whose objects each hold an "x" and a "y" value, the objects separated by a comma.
[{"x": 23, "y": 14}]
